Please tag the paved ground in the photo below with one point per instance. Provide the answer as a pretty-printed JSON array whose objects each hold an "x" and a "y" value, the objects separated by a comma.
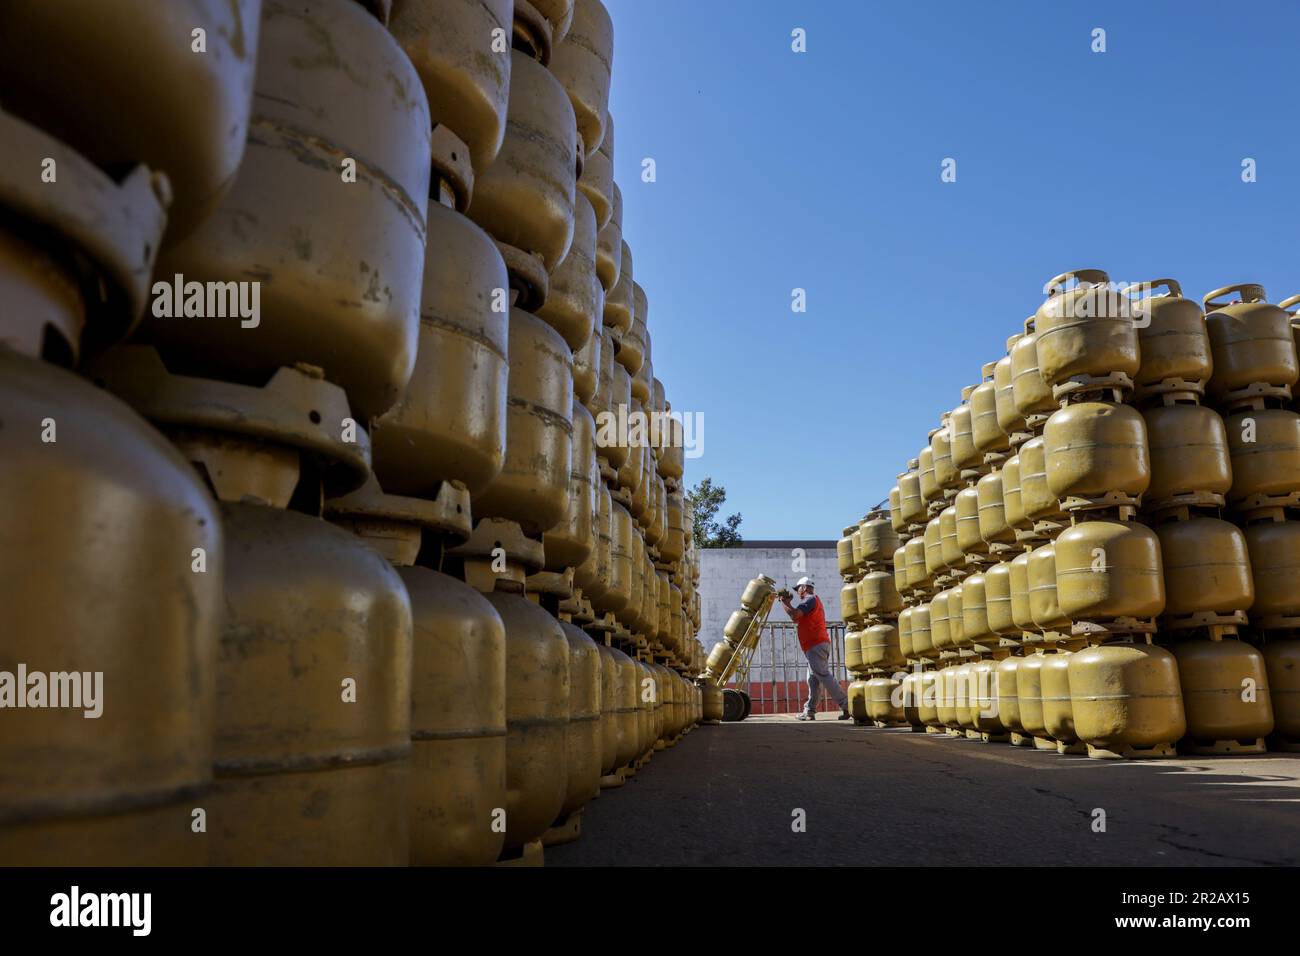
[{"x": 726, "y": 795}]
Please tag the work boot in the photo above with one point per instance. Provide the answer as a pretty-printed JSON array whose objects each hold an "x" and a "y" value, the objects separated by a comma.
[
  {"x": 844, "y": 713},
  {"x": 806, "y": 716}
]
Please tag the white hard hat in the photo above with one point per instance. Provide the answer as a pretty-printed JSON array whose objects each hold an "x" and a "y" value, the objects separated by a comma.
[{"x": 804, "y": 580}]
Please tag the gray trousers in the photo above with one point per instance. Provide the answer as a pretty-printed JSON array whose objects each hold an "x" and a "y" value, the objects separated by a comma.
[{"x": 819, "y": 675}]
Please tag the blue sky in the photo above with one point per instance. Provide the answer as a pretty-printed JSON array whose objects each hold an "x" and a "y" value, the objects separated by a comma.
[{"x": 821, "y": 170}]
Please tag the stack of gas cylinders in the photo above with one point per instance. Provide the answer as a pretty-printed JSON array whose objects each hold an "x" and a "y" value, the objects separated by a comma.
[
  {"x": 1098, "y": 550},
  {"x": 319, "y": 339}
]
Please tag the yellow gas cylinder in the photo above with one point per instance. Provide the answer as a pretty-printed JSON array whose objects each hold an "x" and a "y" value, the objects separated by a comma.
[
  {"x": 575, "y": 302},
  {"x": 628, "y": 718},
  {"x": 756, "y": 592},
  {"x": 1044, "y": 599},
  {"x": 947, "y": 697},
  {"x": 945, "y": 472},
  {"x": 532, "y": 488},
  {"x": 940, "y": 631},
  {"x": 450, "y": 423},
  {"x": 884, "y": 702},
  {"x": 719, "y": 656},
  {"x": 458, "y": 721},
  {"x": 1127, "y": 700},
  {"x": 73, "y": 69},
  {"x": 1096, "y": 451},
  {"x": 849, "y": 603},
  {"x": 997, "y": 599},
  {"x": 1036, "y": 496},
  {"x": 1264, "y": 445},
  {"x": 1030, "y": 391},
  {"x": 314, "y": 307},
  {"x": 1008, "y": 698},
  {"x": 1189, "y": 454},
  {"x": 844, "y": 551},
  {"x": 1206, "y": 567},
  {"x": 1282, "y": 662},
  {"x": 1010, "y": 420},
  {"x": 919, "y": 631},
  {"x": 594, "y": 572},
  {"x": 934, "y": 562},
  {"x": 900, "y": 569},
  {"x": 896, "y": 510},
  {"x": 965, "y": 455},
  {"x": 569, "y": 543},
  {"x": 878, "y": 538},
  {"x": 967, "y": 524},
  {"x": 1029, "y": 698},
  {"x": 1107, "y": 570},
  {"x": 858, "y": 701},
  {"x": 1058, "y": 709},
  {"x": 904, "y": 625},
  {"x": 1172, "y": 340},
  {"x": 877, "y": 594},
  {"x": 956, "y": 622},
  {"x": 610, "y": 691},
  {"x": 711, "y": 695},
  {"x": 301, "y": 778},
  {"x": 631, "y": 475},
  {"x": 911, "y": 693},
  {"x": 984, "y": 711},
  {"x": 1274, "y": 547},
  {"x": 609, "y": 241},
  {"x": 1254, "y": 352},
  {"x": 1087, "y": 335},
  {"x": 965, "y": 691},
  {"x": 985, "y": 430},
  {"x": 1013, "y": 506},
  {"x": 974, "y": 612},
  {"x": 737, "y": 624},
  {"x": 1021, "y": 613},
  {"x": 929, "y": 690},
  {"x": 882, "y": 647},
  {"x": 673, "y": 543},
  {"x": 852, "y": 649},
  {"x": 633, "y": 346},
  {"x": 596, "y": 181},
  {"x": 582, "y": 62},
  {"x": 525, "y": 199},
  {"x": 930, "y": 490},
  {"x": 1225, "y": 696},
  {"x": 620, "y": 591},
  {"x": 914, "y": 553},
  {"x": 911, "y": 504},
  {"x": 620, "y": 303},
  {"x": 993, "y": 525},
  {"x": 582, "y": 736},
  {"x": 855, "y": 540},
  {"x": 101, "y": 529},
  {"x": 949, "y": 551}
]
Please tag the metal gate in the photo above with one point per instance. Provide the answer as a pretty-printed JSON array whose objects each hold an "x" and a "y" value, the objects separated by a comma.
[{"x": 777, "y": 680}]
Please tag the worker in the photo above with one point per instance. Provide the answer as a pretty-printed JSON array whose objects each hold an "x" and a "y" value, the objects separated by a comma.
[{"x": 810, "y": 619}]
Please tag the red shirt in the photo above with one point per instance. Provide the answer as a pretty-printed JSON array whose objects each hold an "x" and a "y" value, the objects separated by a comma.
[{"x": 812, "y": 626}]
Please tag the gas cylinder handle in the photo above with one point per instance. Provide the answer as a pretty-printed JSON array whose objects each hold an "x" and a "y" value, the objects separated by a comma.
[
  {"x": 1250, "y": 292},
  {"x": 1092, "y": 276},
  {"x": 1288, "y": 302},
  {"x": 1029, "y": 326},
  {"x": 1151, "y": 285}
]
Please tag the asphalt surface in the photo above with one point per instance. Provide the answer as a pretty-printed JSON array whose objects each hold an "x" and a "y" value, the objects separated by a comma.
[{"x": 727, "y": 795}]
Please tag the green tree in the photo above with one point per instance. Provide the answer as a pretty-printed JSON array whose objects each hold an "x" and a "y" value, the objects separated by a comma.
[{"x": 707, "y": 499}]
